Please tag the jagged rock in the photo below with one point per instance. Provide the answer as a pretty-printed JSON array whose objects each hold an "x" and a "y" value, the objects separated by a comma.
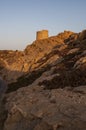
[
  {"x": 73, "y": 51},
  {"x": 35, "y": 111},
  {"x": 49, "y": 92},
  {"x": 80, "y": 63},
  {"x": 19, "y": 62}
]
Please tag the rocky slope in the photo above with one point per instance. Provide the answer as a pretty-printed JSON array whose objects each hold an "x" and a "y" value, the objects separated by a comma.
[
  {"x": 50, "y": 94},
  {"x": 13, "y": 64}
]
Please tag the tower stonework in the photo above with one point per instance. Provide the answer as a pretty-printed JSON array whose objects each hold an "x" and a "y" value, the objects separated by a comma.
[{"x": 42, "y": 34}]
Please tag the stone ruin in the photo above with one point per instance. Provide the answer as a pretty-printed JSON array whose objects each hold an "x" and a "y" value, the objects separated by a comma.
[{"x": 43, "y": 34}]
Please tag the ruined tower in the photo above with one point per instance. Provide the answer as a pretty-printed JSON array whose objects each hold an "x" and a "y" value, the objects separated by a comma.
[{"x": 42, "y": 34}]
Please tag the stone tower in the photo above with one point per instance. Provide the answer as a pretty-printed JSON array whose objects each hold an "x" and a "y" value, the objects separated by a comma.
[{"x": 42, "y": 34}]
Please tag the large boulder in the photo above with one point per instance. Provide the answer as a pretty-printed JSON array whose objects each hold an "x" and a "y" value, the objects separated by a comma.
[{"x": 33, "y": 108}]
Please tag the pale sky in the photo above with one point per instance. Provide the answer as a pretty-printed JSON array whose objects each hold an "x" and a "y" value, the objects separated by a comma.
[{"x": 20, "y": 19}]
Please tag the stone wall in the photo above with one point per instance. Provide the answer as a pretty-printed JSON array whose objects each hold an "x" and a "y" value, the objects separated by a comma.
[{"x": 42, "y": 34}]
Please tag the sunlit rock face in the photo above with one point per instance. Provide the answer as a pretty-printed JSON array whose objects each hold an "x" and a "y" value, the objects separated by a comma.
[{"x": 14, "y": 64}]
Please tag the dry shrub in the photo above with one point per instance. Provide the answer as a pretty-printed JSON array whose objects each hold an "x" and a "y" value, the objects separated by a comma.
[{"x": 72, "y": 78}]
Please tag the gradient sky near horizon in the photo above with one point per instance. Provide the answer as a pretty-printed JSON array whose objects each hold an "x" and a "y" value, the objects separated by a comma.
[{"x": 20, "y": 19}]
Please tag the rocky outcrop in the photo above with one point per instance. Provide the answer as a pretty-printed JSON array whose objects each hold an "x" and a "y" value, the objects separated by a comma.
[
  {"x": 33, "y": 108},
  {"x": 14, "y": 64},
  {"x": 50, "y": 94},
  {"x": 82, "y": 35}
]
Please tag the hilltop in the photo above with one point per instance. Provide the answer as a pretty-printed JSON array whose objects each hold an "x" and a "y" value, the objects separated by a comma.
[
  {"x": 15, "y": 63},
  {"x": 46, "y": 84}
]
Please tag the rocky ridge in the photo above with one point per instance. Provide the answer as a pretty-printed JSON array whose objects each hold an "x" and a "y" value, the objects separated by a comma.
[
  {"x": 13, "y": 64},
  {"x": 51, "y": 93}
]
